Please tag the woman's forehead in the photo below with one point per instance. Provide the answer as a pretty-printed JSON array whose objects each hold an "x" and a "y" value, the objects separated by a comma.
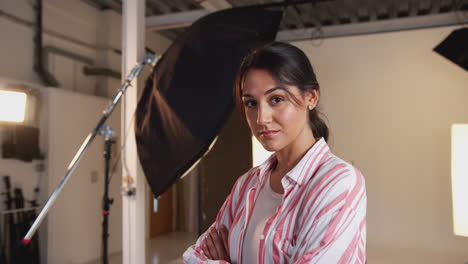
[{"x": 257, "y": 82}]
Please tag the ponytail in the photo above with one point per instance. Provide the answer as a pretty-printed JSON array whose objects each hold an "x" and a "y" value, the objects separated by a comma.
[{"x": 318, "y": 125}]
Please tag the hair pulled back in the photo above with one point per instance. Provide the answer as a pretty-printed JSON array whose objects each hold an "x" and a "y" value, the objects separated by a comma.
[{"x": 288, "y": 65}]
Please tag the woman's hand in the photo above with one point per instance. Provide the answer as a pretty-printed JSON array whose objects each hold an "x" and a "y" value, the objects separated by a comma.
[{"x": 216, "y": 244}]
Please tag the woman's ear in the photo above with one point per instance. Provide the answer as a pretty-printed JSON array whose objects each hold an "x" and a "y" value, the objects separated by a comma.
[{"x": 312, "y": 98}]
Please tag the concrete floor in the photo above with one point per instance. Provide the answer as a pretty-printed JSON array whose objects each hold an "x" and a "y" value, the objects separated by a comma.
[
  {"x": 163, "y": 249},
  {"x": 168, "y": 248}
]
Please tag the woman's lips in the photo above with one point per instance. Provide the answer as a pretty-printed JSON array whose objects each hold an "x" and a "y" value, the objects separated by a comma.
[{"x": 268, "y": 133}]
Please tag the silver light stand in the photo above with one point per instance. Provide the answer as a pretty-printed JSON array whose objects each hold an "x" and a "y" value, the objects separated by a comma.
[{"x": 149, "y": 59}]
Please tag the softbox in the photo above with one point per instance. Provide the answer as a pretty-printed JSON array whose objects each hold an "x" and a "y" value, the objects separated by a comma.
[
  {"x": 455, "y": 47},
  {"x": 189, "y": 95}
]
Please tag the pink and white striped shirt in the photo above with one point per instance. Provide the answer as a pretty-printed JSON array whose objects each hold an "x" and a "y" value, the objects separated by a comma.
[{"x": 322, "y": 218}]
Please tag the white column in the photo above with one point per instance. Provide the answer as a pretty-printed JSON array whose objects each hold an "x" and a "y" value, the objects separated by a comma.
[{"x": 135, "y": 206}]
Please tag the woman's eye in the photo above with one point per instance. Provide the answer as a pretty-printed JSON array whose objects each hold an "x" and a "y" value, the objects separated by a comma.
[
  {"x": 249, "y": 103},
  {"x": 276, "y": 100}
]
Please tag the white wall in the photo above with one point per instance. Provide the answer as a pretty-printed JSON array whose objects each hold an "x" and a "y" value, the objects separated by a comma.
[{"x": 390, "y": 101}]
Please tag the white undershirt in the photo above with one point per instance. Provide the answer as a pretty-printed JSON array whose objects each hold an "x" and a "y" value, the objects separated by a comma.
[{"x": 265, "y": 206}]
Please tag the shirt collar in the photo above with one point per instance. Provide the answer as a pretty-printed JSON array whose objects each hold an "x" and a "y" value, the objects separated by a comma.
[{"x": 304, "y": 169}]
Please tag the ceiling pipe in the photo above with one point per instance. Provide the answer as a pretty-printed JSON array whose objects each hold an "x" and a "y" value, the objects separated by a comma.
[
  {"x": 95, "y": 71},
  {"x": 46, "y": 77}
]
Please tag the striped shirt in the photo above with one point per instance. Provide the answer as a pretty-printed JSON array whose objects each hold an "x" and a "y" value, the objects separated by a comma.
[{"x": 322, "y": 218}]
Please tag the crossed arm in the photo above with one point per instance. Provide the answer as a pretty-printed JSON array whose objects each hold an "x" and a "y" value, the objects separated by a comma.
[{"x": 337, "y": 237}]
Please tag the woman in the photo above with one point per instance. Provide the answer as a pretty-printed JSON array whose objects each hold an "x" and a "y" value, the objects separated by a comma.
[{"x": 302, "y": 205}]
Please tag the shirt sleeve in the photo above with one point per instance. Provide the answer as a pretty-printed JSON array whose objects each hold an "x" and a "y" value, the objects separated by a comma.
[
  {"x": 339, "y": 235},
  {"x": 194, "y": 254}
]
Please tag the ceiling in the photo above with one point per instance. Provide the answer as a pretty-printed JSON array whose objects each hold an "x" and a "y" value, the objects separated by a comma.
[{"x": 304, "y": 18}]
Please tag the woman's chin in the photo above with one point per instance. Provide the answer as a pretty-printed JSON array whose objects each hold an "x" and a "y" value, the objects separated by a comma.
[{"x": 270, "y": 146}]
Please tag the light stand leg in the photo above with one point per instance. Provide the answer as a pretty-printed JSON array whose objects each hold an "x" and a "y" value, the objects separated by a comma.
[{"x": 108, "y": 134}]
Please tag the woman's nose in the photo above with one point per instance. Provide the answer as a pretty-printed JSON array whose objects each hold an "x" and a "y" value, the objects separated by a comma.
[{"x": 264, "y": 115}]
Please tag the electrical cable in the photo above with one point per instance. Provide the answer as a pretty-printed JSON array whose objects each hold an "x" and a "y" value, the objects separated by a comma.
[{"x": 122, "y": 147}]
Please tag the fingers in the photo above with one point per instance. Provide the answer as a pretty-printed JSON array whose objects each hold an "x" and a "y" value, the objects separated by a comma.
[
  {"x": 210, "y": 247},
  {"x": 218, "y": 243},
  {"x": 215, "y": 246},
  {"x": 206, "y": 251},
  {"x": 225, "y": 237}
]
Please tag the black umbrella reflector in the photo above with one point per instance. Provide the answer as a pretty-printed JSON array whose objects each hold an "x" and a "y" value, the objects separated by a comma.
[
  {"x": 189, "y": 96},
  {"x": 455, "y": 47}
]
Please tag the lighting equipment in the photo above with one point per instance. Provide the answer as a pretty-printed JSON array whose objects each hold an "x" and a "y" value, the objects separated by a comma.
[
  {"x": 149, "y": 59},
  {"x": 189, "y": 98},
  {"x": 455, "y": 47},
  {"x": 19, "y": 122},
  {"x": 460, "y": 179},
  {"x": 108, "y": 133},
  {"x": 12, "y": 106}
]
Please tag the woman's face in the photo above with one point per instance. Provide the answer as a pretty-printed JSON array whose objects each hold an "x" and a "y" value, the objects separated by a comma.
[{"x": 273, "y": 116}]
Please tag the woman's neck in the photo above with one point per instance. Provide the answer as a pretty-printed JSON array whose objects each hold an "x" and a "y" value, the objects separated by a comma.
[{"x": 289, "y": 156}]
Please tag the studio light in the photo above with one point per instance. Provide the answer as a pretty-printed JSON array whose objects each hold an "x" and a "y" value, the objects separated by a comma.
[
  {"x": 12, "y": 106},
  {"x": 455, "y": 48},
  {"x": 460, "y": 179},
  {"x": 259, "y": 154}
]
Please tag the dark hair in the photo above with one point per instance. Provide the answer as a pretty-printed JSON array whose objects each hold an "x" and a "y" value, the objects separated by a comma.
[{"x": 288, "y": 65}]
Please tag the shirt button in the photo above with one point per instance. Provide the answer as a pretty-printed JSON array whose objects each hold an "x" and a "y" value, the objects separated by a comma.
[{"x": 262, "y": 237}]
